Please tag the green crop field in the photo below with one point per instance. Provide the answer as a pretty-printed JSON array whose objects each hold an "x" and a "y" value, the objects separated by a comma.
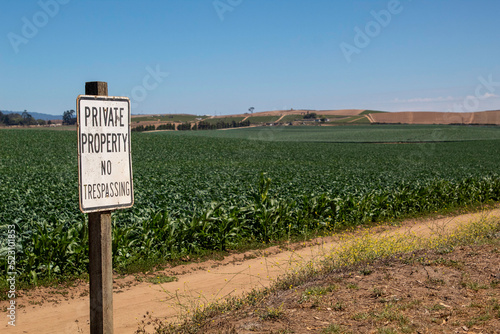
[
  {"x": 356, "y": 134},
  {"x": 291, "y": 118},
  {"x": 216, "y": 190}
]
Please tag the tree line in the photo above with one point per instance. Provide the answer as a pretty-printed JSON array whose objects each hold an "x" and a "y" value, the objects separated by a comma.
[
  {"x": 22, "y": 119},
  {"x": 25, "y": 119},
  {"x": 202, "y": 125}
]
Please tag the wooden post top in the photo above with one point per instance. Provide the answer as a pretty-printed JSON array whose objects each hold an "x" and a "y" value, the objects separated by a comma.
[{"x": 96, "y": 88}]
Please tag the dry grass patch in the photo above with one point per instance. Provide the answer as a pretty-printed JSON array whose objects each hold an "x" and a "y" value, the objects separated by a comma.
[{"x": 394, "y": 284}]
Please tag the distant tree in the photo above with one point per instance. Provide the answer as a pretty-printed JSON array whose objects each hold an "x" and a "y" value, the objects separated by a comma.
[
  {"x": 168, "y": 126},
  {"x": 139, "y": 128},
  {"x": 184, "y": 126},
  {"x": 41, "y": 122},
  {"x": 251, "y": 109},
  {"x": 13, "y": 119},
  {"x": 245, "y": 123},
  {"x": 27, "y": 119},
  {"x": 312, "y": 115},
  {"x": 69, "y": 118}
]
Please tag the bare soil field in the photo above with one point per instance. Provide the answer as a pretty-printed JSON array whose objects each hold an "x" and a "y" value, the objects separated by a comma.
[
  {"x": 431, "y": 289},
  {"x": 423, "y": 117}
]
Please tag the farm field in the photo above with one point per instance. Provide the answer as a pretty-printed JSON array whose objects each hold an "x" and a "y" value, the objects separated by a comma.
[
  {"x": 353, "y": 120},
  {"x": 167, "y": 118},
  {"x": 357, "y": 134},
  {"x": 263, "y": 119},
  {"x": 291, "y": 118},
  {"x": 224, "y": 119},
  {"x": 214, "y": 190},
  {"x": 422, "y": 117}
]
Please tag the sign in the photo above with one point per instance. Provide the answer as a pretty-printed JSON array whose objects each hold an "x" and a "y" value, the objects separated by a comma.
[{"x": 104, "y": 159}]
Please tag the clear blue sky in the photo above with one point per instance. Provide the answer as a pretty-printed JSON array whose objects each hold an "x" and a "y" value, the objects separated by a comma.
[{"x": 226, "y": 56}]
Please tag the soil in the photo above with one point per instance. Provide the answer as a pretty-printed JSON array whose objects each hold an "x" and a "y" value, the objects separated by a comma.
[
  {"x": 424, "y": 292},
  {"x": 422, "y": 285},
  {"x": 422, "y": 117}
]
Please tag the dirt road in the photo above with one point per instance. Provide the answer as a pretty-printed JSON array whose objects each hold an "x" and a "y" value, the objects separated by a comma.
[{"x": 67, "y": 310}]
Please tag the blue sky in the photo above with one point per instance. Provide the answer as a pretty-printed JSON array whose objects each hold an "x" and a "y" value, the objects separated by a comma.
[{"x": 224, "y": 56}]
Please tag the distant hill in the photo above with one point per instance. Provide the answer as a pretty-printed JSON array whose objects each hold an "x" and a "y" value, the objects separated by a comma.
[
  {"x": 36, "y": 115},
  {"x": 430, "y": 117}
]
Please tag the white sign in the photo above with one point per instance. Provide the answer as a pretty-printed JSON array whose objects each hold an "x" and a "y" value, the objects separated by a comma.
[{"x": 104, "y": 159}]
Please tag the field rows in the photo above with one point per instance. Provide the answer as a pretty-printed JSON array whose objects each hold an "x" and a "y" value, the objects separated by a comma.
[{"x": 218, "y": 189}]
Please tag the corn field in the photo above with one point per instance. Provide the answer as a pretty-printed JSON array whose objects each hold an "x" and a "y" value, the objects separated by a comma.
[{"x": 218, "y": 190}]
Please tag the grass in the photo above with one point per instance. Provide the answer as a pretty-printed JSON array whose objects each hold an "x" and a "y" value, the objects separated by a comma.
[
  {"x": 319, "y": 290},
  {"x": 366, "y": 248},
  {"x": 333, "y": 329},
  {"x": 474, "y": 286},
  {"x": 160, "y": 279},
  {"x": 273, "y": 313},
  {"x": 314, "y": 293}
]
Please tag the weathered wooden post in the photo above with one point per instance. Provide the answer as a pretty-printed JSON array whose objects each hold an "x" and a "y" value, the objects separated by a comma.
[
  {"x": 105, "y": 183},
  {"x": 101, "y": 273},
  {"x": 100, "y": 259}
]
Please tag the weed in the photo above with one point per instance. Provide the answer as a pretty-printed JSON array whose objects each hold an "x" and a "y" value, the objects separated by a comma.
[
  {"x": 319, "y": 290},
  {"x": 376, "y": 293},
  {"x": 436, "y": 281},
  {"x": 360, "y": 316},
  {"x": 436, "y": 307},
  {"x": 366, "y": 271},
  {"x": 339, "y": 306},
  {"x": 475, "y": 286},
  {"x": 332, "y": 329},
  {"x": 273, "y": 313},
  {"x": 159, "y": 279}
]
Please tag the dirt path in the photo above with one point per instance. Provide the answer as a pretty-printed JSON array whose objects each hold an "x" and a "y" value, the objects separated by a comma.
[
  {"x": 370, "y": 118},
  {"x": 357, "y": 119},
  {"x": 67, "y": 311},
  {"x": 279, "y": 119}
]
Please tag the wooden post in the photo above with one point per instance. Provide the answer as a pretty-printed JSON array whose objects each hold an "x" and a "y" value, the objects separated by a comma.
[{"x": 100, "y": 260}]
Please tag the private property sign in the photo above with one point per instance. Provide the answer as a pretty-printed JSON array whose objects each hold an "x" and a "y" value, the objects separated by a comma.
[{"x": 104, "y": 159}]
